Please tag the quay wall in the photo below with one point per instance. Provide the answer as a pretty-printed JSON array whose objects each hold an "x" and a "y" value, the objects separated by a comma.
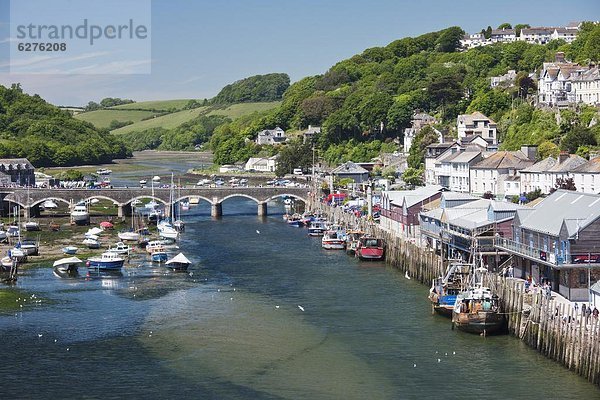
[{"x": 546, "y": 324}]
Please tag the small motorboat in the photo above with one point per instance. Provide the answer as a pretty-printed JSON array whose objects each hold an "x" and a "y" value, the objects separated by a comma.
[
  {"x": 478, "y": 311},
  {"x": 159, "y": 254},
  {"x": 106, "y": 261},
  {"x": 143, "y": 181},
  {"x": 67, "y": 265},
  {"x": 185, "y": 205},
  {"x": 316, "y": 228},
  {"x": 70, "y": 250},
  {"x": 129, "y": 236},
  {"x": 3, "y": 236},
  {"x": 49, "y": 205},
  {"x": 31, "y": 226},
  {"x": 13, "y": 231},
  {"x": 91, "y": 243},
  {"x": 178, "y": 263},
  {"x": 103, "y": 171},
  {"x": 80, "y": 214},
  {"x": 119, "y": 248},
  {"x": 156, "y": 178},
  {"x": 29, "y": 247},
  {"x": 179, "y": 225},
  {"x": 370, "y": 248},
  {"x": 296, "y": 221},
  {"x": 17, "y": 255},
  {"x": 332, "y": 241}
]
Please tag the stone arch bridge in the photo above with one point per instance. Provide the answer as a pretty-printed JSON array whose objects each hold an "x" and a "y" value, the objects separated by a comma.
[{"x": 123, "y": 197}]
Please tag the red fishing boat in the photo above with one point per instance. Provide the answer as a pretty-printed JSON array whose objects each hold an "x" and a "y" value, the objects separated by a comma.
[{"x": 370, "y": 248}]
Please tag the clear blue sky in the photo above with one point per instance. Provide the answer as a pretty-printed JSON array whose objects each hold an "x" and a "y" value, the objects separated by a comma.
[{"x": 199, "y": 46}]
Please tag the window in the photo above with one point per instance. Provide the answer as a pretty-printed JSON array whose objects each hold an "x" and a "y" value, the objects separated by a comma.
[{"x": 582, "y": 277}]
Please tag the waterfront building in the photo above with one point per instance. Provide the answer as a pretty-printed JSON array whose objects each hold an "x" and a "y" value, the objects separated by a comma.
[
  {"x": 261, "y": 164},
  {"x": 351, "y": 170},
  {"x": 16, "y": 171},
  {"x": 557, "y": 241},
  {"x": 400, "y": 208},
  {"x": 496, "y": 172},
  {"x": 543, "y": 174},
  {"x": 465, "y": 227}
]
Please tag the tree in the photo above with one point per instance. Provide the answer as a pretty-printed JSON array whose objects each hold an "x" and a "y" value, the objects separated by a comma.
[
  {"x": 449, "y": 40},
  {"x": 424, "y": 138},
  {"x": 526, "y": 85},
  {"x": 488, "y": 195},
  {"x": 548, "y": 149},
  {"x": 413, "y": 176},
  {"x": 400, "y": 114},
  {"x": 565, "y": 184},
  {"x": 487, "y": 33},
  {"x": 519, "y": 27},
  {"x": 578, "y": 136},
  {"x": 295, "y": 155},
  {"x": 505, "y": 25}
]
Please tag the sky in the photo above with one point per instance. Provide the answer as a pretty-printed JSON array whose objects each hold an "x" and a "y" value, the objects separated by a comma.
[{"x": 198, "y": 46}]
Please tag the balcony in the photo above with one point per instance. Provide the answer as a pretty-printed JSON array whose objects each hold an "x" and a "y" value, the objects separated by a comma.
[{"x": 533, "y": 253}]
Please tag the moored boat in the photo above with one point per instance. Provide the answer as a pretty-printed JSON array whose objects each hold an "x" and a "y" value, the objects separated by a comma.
[
  {"x": 29, "y": 247},
  {"x": 332, "y": 241},
  {"x": 159, "y": 254},
  {"x": 316, "y": 228},
  {"x": 295, "y": 220},
  {"x": 352, "y": 239},
  {"x": 106, "y": 261},
  {"x": 67, "y": 265},
  {"x": 70, "y": 250},
  {"x": 445, "y": 289},
  {"x": 31, "y": 226},
  {"x": 370, "y": 248},
  {"x": 119, "y": 248},
  {"x": 80, "y": 214},
  {"x": 91, "y": 243},
  {"x": 178, "y": 263},
  {"x": 478, "y": 311},
  {"x": 129, "y": 236}
]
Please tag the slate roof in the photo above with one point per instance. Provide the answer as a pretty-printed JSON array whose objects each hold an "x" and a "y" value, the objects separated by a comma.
[
  {"x": 349, "y": 168},
  {"x": 504, "y": 160},
  {"x": 577, "y": 210},
  {"x": 551, "y": 164},
  {"x": 590, "y": 167},
  {"x": 469, "y": 119},
  {"x": 397, "y": 197},
  {"x": 22, "y": 163}
]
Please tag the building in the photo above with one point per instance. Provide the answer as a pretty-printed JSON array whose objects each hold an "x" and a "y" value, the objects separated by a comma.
[
  {"x": 543, "y": 174},
  {"x": 465, "y": 227},
  {"x": 452, "y": 168},
  {"x": 351, "y": 170},
  {"x": 20, "y": 171},
  {"x": 271, "y": 136},
  {"x": 400, "y": 208},
  {"x": 470, "y": 41},
  {"x": 558, "y": 241},
  {"x": 586, "y": 177},
  {"x": 261, "y": 164},
  {"x": 432, "y": 152},
  {"x": 311, "y": 133},
  {"x": 470, "y": 125},
  {"x": 503, "y": 35},
  {"x": 567, "y": 34},
  {"x": 554, "y": 83},
  {"x": 491, "y": 173},
  {"x": 504, "y": 81},
  {"x": 585, "y": 85},
  {"x": 419, "y": 120},
  {"x": 537, "y": 35}
]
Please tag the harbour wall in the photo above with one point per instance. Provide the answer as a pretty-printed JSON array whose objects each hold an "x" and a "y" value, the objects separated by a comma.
[{"x": 544, "y": 323}]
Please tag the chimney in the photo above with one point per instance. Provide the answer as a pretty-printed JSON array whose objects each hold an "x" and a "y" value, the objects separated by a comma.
[
  {"x": 530, "y": 151},
  {"x": 563, "y": 156},
  {"x": 559, "y": 56}
]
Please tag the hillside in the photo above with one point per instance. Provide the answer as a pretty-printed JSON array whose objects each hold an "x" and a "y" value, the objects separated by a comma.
[
  {"x": 103, "y": 118},
  {"x": 365, "y": 102},
  {"x": 258, "y": 88},
  {"x": 30, "y": 127},
  {"x": 155, "y": 105},
  {"x": 174, "y": 120}
]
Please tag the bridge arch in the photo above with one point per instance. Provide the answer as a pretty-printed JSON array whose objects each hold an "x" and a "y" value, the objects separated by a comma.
[
  {"x": 40, "y": 201},
  {"x": 192, "y": 195},
  {"x": 289, "y": 195},
  {"x": 240, "y": 195},
  {"x": 13, "y": 201}
]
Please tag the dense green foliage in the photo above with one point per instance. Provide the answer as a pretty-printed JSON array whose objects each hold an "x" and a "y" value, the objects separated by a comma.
[
  {"x": 47, "y": 136},
  {"x": 185, "y": 137},
  {"x": 106, "y": 103},
  {"x": 268, "y": 87},
  {"x": 295, "y": 155}
]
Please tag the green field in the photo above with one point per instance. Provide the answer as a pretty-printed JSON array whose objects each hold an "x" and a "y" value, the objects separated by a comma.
[
  {"x": 165, "y": 105},
  {"x": 173, "y": 120},
  {"x": 103, "y": 118}
]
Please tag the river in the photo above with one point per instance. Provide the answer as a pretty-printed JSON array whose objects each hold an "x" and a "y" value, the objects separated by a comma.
[{"x": 264, "y": 314}]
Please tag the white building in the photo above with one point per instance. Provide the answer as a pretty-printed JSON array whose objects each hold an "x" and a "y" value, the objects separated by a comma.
[
  {"x": 543, "y": 174},
  {"x": 432, "y": 152},
  {"x": 419, "y": 120},
  {"x": 261, "y": 164},
  {"x": 473, "y": 40},
  {"x": 587, "y": 176},
  {"x": 496, "y": 172},
  {"x": 503, "y": 35},
  {"x": 555, "y": 82},
  {"x": 452, "y": 168},
  {"x": 567, "y": 34},
  {"x": 506, "y": 80},
  {"x": 271, "y": 136},
  {"x": 585, "y": 85},
  {"x": 538, "y": 35},
  {"x": 469, "y": 125}
]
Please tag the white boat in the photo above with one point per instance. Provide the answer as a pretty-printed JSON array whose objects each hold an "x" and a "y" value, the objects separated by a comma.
[
  {"x": 103, "y": 171},
  {"x": 13, "y": 231},
  {"x": 129, "y": 236},
  {"x": 17, "y": 254},
  {"x": 49, "y": 205},
  {"x": 194, "y": 200},
  {"x": 6, "y": 262},
  {"x": 332, "y": 241},
  {"x": 178, "y": 263},
  {"x": 91, "y": 243},
  {"x": 29, "y": 247},
  {"x": 80, "y": 214},
  {"x": 168, "y": 232},
  {"x": 119, "y": 248},
  {"x": 93, "y": 232},
  {"x": 179, "y": 225},
  {"x": 143, "y": 181},
  {"x": 67, "y": 265},
  {"x": 70, "y": 250},
  {"x": 3, "y": 236},
  {"x": 156, "y": 178}
]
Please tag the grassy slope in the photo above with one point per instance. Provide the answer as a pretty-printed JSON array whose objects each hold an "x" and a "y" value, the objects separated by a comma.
[
  {"x": 177, "y": 104},
  {"x": 102, "y": 118},
  {"x": 173, "y": 120}
]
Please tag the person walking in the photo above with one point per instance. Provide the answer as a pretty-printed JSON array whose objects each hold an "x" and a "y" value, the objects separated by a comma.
[{"x": 510, "y": 271}]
